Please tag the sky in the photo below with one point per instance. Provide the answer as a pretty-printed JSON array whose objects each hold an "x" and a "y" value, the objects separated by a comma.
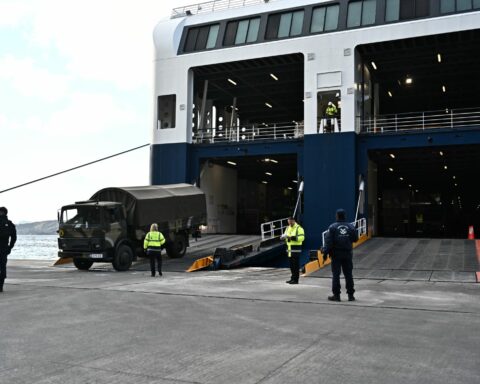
[{"x": 76, "y": 85}]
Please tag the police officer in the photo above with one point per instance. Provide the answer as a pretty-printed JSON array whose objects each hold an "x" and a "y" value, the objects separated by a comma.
[
  {"x": 153, "y": 245},
  {"x": 294, "y": 236},
  {"x": 8, "y": 237},
  {"x": 338, "y": 244}
]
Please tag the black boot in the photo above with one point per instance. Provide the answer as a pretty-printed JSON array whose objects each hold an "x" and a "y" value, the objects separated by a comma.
[
  {"x": 1, "y": 286},
  {"x": 334, "y": 298},
  {"x": 351, "y": 297}
]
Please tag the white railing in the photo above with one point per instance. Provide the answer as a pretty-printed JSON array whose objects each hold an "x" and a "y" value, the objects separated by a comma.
[
  {"x": 214, "y": 6},
  {"x": 447, "y": 118},
  {"x": 273, "y": 229},
  {"x": 277, "y": 131},
  {"x": 360, "y": 224}
]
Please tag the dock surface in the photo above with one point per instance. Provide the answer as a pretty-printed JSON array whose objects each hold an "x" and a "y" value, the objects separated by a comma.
[{"x": 60, "y": 325}]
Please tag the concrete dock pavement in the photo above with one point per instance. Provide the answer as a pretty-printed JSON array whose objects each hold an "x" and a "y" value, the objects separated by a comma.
[{"x": 60, "y": 325}]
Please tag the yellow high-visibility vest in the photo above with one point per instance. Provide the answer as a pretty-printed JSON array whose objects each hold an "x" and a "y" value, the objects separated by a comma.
[
  {"x": 153, "y": 239},
  {"x": 294, "y": 231}
]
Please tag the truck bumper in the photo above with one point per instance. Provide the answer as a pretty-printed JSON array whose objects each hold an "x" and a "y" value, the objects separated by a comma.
[{"x": 104, "y": 256}]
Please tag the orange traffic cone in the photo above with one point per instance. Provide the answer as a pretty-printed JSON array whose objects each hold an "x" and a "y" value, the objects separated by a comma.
[{"x": 471, "y": 235}]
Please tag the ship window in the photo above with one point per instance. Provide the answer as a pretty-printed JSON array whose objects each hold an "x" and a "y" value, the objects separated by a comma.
[
  {"x": 361, "y": 13},
  {"x": 285, "y": 25},
  {"x": 449, "y": 6},
  {"x": 241, "y": 32},
  {"x": 325, "y": 19},
  {"x": 166, "y": 111},
  {"x": 201, "y": 37},
  {"x": 406, "y": 9}
]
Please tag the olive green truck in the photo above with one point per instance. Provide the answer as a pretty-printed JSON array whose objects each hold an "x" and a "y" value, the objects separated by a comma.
[{"x": 112, "y": 224}]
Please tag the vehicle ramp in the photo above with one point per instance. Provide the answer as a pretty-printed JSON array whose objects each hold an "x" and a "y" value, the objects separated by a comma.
[
  {"x": 414, "y": 259},
  {"x": 235, "y": 251}
]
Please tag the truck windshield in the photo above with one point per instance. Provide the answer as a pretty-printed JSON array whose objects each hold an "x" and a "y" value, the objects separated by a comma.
[{"x": 81, "y": 216}]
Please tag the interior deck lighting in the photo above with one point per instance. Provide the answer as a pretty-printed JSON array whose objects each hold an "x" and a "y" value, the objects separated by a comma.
[
  {"x": 268, "y": 105},
  {"x": 444, "y": 89},
  {"x": 374, "y": 65},
  {"x": 390, "y": 169},
  {"x": 295, "y": 181},
  {"x": 232, "y": 82},
  {"x": 408, "y": 80},
  {"x": 401, "y": 178},
  {"x": 265, "y": 182},
  {"x": 445, "y": 167},
  {"x": 390, "y": 94},
  {"x": 231, "y": 163},
  {"x": 392, "y": 155},
  {"x": 441, "y": 153},
  {"x": 439, "y": 57},
  {"x": 268, "y": 173},
  {"x": 273, "y": 77}
]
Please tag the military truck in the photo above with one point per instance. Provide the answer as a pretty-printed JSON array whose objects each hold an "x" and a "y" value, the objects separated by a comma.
[{"x": 112, "y": 224}]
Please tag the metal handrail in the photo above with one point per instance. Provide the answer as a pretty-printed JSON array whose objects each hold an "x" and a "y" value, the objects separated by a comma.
[
  {"x": 360, "y": 224},
  {"x": 273, "y": 229},
  {"x": 213, "y": 6},
  {"x": 449, "y": 118},
  {"x": 252, "y": 132}
]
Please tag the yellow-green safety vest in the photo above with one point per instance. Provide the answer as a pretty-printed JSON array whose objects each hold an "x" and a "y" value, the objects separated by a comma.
[
  {"x": 297, "y": 231},
  {"x": 153, "y": 239},
  {"x": 331, "y": 110}
]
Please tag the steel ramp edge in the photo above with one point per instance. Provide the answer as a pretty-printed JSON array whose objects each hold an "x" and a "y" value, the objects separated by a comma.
[
  {"x": 318, "y": 263},
  {"x": 63, "y": 260}
]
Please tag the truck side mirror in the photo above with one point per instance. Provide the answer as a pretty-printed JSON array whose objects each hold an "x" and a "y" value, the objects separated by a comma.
[{"x": 58, "y": 216}]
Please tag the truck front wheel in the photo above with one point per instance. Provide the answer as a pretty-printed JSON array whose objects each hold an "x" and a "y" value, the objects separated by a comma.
[
  {"x": 123, "y": 258},
  {"x": 82, "y": 264},
  {"x": 177, "y": 247}
]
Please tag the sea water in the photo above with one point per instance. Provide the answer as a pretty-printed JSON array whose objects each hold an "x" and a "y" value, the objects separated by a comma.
[{"x": 35, "y": 247}]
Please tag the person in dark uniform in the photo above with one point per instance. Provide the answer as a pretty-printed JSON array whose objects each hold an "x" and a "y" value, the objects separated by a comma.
[
  {"x": 8, "y": 237},
  {"x": 338, "y": 244},
  {"x": 153, "y": 245}
]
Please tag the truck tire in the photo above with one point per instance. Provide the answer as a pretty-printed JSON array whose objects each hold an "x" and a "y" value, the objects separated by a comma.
[
  {"x": 82, "y": 264},
  {"x": 123, "y": 258},
  {"x": 178, "y": 247}
]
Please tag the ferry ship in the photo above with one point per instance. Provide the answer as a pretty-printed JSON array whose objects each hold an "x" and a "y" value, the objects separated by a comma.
[{"x": 371, "y": 105}]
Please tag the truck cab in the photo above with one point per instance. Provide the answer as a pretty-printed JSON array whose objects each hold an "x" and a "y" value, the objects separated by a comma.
[{"x": 95, "y": 231}]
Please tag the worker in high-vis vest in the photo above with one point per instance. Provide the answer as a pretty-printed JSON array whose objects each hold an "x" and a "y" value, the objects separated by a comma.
[
  {"x": 153, "y": 245},
  {"x": 294, "y": 236}
]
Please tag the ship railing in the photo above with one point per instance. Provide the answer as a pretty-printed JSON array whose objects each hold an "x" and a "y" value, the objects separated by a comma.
[
  {"x": 213, "y": 6},
  {"x": 249, "y": 132},
  {"x": 446, "y": 118},
  {"x": 273, "y": 229},
  {"x": 360, "y": 225}
]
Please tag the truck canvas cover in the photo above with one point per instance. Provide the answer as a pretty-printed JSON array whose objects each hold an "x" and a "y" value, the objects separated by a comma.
[{"x": 174, "y": 205}]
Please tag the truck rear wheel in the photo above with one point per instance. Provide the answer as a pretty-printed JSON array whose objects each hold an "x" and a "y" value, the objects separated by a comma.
[
  {"x": 123, "y": 258},
  {"x": 178, "y": 247},
  {"x": 82, "y": 264}
]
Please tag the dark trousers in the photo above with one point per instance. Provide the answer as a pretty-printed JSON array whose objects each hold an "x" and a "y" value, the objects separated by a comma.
[
  {"x": 342, "y": 262},
  {"x": 155, "y": 254},
  {"x": 295, "y": 262},
  {"x": 3, "y": 266}
]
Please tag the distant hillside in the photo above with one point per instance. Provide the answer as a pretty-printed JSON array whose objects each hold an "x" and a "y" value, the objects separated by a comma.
[{"x": 48, "y": 227}]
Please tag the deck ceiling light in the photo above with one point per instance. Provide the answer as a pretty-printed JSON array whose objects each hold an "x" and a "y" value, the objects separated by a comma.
[
  {"x": 289, "y": 188},
  {"x": 390, "y": 169},
  {"x": 231, "y": 163},
  {"x": 408, "y": 80},
  {"x": 445, "y": 167},
  {"x": 295, "y": 181},
  {"x": 392, "y": 155},
  {"x": 453, "y": 177},
  {"x": 268, "y": 105},
  {"x": 265, "y": 182},
  {"x": 268, "y": 173},
  {"x": 441, "y": 153},
  {"x": 374, "y": 65},
  {"x": 444, "y": 89},
  {"x": 410, "y": 185},
  {"x": 390, "y": 94},
  {"x": 439, "y": 57},
  {"x": 401, "y": 178},
  {"x": 232, "y": 82},
  {"x": 273, "y": 77}
]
